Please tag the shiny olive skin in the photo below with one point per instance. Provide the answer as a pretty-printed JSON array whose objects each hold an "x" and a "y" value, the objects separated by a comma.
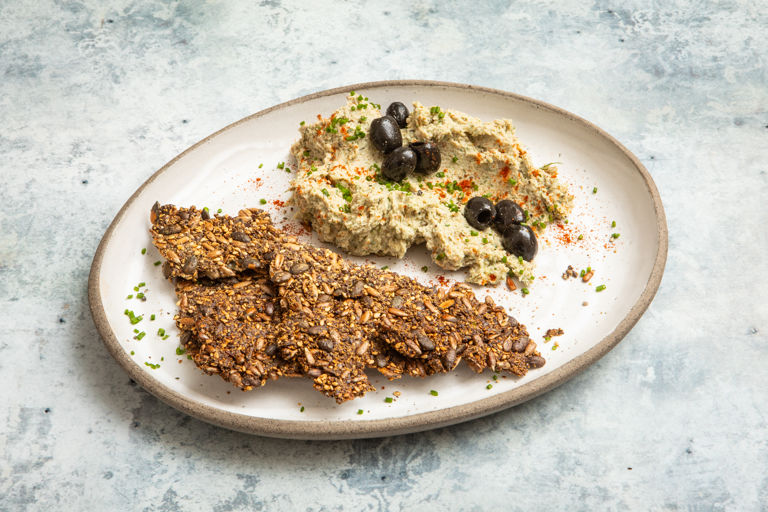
[
  {"x": 385, "y": 134},
  {"x": 428, "y": 155},
  {"x": 479, "y": 212},
  {"x": 520, "y": 241},
  {"x": 508, "y": 213},
  {"x": 399, "y": 112},
  {"x": 398, "y": 164}
]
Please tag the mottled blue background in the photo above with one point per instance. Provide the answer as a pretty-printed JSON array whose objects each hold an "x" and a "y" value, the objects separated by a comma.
[{"x": 96, "y": 95}]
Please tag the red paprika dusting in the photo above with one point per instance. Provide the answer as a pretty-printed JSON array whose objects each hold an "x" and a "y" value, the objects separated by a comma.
[
  {"x": 466, "y": 187},
  {"x": 504, "y": 173}
]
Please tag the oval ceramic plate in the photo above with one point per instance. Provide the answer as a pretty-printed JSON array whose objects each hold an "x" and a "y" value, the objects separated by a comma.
[{"x": 238, "y": 166}]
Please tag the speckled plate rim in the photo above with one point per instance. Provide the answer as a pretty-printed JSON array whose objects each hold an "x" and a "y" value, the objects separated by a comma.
[{"x": 320, "y": 430}]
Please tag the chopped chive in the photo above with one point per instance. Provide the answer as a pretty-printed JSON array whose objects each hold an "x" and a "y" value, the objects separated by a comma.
[
  {"x": 385, "y": 267},
  {"x": 473, "y": 232},
  {"x": 281, "y": 165},
  {"x": 129, "y": 297},
  {"x": 581, "y": 237},
  {"x": 140, "y": 296},
  {"x": 218, "y": 211},
  {"x": 180, "y": 351},
  {"x": 152, "y": 316},
  {"x": 425, "y": 268},
  {"x": 547, "y": 338},
  {"x": 359, "y": 411},
  {"x": 519, "y": 259},
  {"x": 166, "y": 336},
  {"x": 325, "y": 192},
  {"x": 600, "y": 288},
  {"x": 441, "y": 115},
  {"x": 389, "y": 400},
  {"x": 161, "y": 332},
  {"x": 433, "y": 392},
  {"x": 262, "y": 201},
  {"x": 615, "y": 235},
  {"x": 136, "y": 331},
  {"x": 440, "y": 256},
  {"x": 140, "y": 335},
  {"x": 261, "y": 165},
  {"x": 582, "y": 273},
  {"x": 594, "y": 190},
  {"x": 489, "y": 386},
  {"x": 440, "y": 174},
  {"x": 613, "y": 224},
  {"x": 132, "y": 352},
  {"x": 504, "y": 259},
  {"x": 495, "y": 377},
  {"x": 512, "y": 181},
  {"x": 142, "y": 284},
  {"x": 144, "y": 251},
  {"x": 153, "y": 366},
  {"x": 301, "y": 123},
  {"x": 132, "y": 317},
  {"x": 157, "y": 263},
  {"x": 135, "y": 288},
  {"x": 302, "y": 409},
  {"x": 525, "y": 291},
  {"x": 351, "y": 93},
  {"x": 455, "y": 159},
  {"x": 485, "y": 240}
]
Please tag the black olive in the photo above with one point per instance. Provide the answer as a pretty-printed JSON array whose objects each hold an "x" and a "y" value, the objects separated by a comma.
[
  {"x": 479, "y": 212},
  {"x": 428, "y": 157},
  {"x": 399, "y": 163},
  {"x": 399, "y": 112},
  {"x": 385, "y": 134},
  {"x": 520, "y": 241},
  {"x": 508, "y": 213}
]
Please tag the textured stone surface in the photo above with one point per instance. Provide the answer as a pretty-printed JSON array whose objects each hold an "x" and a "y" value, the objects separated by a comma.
[{"x": 94, "y": 96}]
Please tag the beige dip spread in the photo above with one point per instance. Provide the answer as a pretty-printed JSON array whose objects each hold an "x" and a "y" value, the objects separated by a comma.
[{"x": 340, "y": 192}]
